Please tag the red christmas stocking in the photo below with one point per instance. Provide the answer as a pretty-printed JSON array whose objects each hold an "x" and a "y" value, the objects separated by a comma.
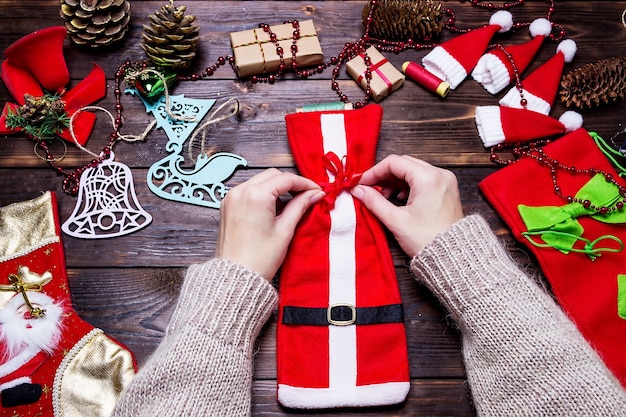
[
  {"x": 52, "y": 363},
  {"x": 574, "y": 243},
  {"x": 341, "y": 339}
]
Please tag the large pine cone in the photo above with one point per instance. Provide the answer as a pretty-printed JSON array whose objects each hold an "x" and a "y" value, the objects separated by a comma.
[
  {"x": 595, "y": 84},
  {"x": 96, "y": 23},
  {"x": 401, "y": 20},
  {"x": 171, "y": 39}
]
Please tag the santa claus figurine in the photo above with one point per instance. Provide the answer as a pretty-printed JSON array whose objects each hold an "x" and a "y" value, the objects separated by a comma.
[{"x": 30, "y": 329}]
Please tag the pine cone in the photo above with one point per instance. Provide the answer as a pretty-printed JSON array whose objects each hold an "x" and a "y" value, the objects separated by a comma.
[
  {"x": 171, "y": 40},
  {"x": 595, "y": 84},
  {"x": 401, "y": 20},
  {"x": 96, "y": 23}
]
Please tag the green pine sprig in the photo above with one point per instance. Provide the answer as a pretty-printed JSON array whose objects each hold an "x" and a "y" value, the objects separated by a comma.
[{"x": 40, "y": 117}]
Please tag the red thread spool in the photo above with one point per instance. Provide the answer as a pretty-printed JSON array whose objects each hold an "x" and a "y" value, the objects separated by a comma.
[{"x": 420, "y": 75}]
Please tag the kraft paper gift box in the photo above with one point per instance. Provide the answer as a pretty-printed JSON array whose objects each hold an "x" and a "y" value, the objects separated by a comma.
[
  {"x": 385, "y": 77},
  {"x": 255, "y": 53}
]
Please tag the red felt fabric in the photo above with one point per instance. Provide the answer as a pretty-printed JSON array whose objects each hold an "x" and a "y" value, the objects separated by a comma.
[
  {"x": 41, "y": 54},
  {"x": 35, "y": 64},
  {"x": 585, "y": 289},
  {"x": 20, "y": 82},
  {"x": 303, "y": 350},
  {"x": 522, "y": 54},
  {"x": 467, "y": 48}
]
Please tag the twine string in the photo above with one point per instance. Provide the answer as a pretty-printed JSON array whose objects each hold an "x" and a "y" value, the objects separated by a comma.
[
  {"x": 211, "y": 120},
  {"x": 126, "y": 138}
]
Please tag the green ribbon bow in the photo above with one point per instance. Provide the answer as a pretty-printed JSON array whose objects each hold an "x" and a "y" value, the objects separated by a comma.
[{"x": 558, "y": 226}]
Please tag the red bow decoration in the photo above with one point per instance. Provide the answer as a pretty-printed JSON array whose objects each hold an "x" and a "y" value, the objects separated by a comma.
[
  {"x": 344, "y": 178},
  {"x": 35, "y": 66}
]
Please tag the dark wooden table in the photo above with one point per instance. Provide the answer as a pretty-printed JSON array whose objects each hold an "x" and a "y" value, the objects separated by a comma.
[{"x": 128, "y": 285}]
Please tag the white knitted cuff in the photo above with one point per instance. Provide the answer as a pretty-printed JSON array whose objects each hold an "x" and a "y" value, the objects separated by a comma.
[
  {"x": 440, "y": 63},
  {"x": 489, "y": 125},
  {"x": 533, "y": 102},
  {"x": 491, "y": 73}
]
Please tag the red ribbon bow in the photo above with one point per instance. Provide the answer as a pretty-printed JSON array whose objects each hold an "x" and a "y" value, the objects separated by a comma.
[
  {"x": 34, "y": 64},
  {"x": 344, "y": 178},
  {"x": 376, "y": 68}
]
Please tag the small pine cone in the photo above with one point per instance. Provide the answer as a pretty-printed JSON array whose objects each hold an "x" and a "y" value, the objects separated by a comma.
[
  {"x": 595, "y": 84},
  {"x": 96, "y": 23},
  {"x": 401, "y": 20},
  {"x": 171, "y": 39}
]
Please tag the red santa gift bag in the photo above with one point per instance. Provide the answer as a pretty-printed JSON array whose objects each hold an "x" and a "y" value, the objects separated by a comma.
[
  {"x": 577, "y": 237},
  {"x": 341, "y": 340},
  {"x": 52, "y": 363}
]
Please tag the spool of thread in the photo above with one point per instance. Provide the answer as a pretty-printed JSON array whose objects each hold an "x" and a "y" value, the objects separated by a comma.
[
  {"x": 330, "y": 106},
  {"x": 423, "y": 77}
]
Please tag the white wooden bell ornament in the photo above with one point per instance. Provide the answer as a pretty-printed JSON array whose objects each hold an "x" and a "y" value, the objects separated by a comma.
[{"x": 107, "y": 205}]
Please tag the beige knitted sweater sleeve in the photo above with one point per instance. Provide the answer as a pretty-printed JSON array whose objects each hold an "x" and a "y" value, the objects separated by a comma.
[
  {"x": 203, "y": 366},
  {"x": 523, "y": 356}
]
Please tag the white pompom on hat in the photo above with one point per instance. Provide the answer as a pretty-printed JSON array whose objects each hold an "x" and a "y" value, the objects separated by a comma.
[
  {"x": 454, "y": 59},
  {"x": 540, "y": 87},
  {"x": 494, "y": 70},
  {"x": 501, "y": 124}
]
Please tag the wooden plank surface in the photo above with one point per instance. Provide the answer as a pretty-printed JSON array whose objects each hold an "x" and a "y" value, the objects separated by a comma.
[{"x": 128, "y": 285}]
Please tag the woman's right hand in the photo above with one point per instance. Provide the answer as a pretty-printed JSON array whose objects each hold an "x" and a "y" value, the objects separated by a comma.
[{"x": 432, "y": 205}]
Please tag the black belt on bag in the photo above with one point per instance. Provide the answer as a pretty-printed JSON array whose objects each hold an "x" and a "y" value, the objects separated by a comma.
[{"x": 343, "y": 315}]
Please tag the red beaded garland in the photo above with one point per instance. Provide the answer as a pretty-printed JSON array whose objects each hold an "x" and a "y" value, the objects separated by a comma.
[
  {"x": 349, "y": 51},
  {"x": 535, "y": 152}
]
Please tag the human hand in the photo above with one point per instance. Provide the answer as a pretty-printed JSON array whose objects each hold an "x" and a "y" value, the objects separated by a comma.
[
  {"x": 252, "y": 231},
  {"x": 433, "y": 202}
]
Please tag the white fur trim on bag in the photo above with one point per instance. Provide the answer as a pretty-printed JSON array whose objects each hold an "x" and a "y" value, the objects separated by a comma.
[{"x": 361, "y": 396}]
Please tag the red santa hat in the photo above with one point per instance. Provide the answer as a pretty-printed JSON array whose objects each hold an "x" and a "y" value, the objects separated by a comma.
[
  {"x": 539, "y": 88},
  {"x": 453, "y": 60},
  {"x": 494, "y": 70},
  {"x": 501, "y": 124}
]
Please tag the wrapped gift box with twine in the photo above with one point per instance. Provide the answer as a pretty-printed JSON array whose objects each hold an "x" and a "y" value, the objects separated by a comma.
[
  {"x": 255, "y": 53},
  {"x": 385, "y": 77}
]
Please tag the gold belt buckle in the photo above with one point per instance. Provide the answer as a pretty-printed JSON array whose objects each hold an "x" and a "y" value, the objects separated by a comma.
[{"x": 330, "y": 319}]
